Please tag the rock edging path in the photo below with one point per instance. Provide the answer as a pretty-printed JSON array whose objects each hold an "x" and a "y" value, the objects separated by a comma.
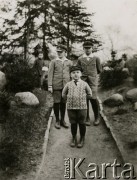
[
  {"x": 119, "y": 146},
  {"x": 46, "y": 138},
  {"x": 116, "y": 140}
]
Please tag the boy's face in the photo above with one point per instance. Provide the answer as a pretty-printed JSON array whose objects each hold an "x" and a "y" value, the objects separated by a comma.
[
  {"x": 40, "y": 55},
  {"x": 61, "y": 54},
  {"x": 76, "y": 75},
  {"x": 88, "y": 50}
]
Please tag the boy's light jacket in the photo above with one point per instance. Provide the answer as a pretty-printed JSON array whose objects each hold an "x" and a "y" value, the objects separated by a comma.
[
  {"x": 58, "y": 74},
  {"x": 91, "y": 68}
]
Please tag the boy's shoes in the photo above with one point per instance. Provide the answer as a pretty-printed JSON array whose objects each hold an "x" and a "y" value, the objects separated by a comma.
[
  {"x": 63, "y": 124},
  {"x": 96, "y": 121},
  {"x": 57, "y": 125},
  {"x": 87, "y": 122},
  {"x": 73, "y": 142},
  {"x": 81, "y": 143}
]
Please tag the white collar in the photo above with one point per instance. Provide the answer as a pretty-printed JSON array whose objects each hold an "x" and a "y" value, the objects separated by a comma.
[
  {"x": 89, "y": 56},
  {"x": 77, "y": 80},
  {"x": 64, "y": 59}
]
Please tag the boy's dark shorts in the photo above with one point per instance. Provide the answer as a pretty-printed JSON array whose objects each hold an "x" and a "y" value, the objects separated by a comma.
[
  {"x": 77, "y": 115},
  {"x": 57, "y": 96}
]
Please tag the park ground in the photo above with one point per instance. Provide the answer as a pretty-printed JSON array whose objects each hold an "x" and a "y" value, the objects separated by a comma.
[{"x": 99, "y": 145}]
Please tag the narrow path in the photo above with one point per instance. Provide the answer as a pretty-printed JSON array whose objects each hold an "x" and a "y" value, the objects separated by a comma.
[{"x": 99, "y": 148}]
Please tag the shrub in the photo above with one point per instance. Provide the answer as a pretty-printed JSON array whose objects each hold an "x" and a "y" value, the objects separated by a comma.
[
  {"x": 8, "y": 153},
  {"x": 4, "y": 105},
  {"x": 20, "y": 77},
  {"x": 25, "y": 126},
  {"x": 111, "y": 78},
  {"x": 135, "y": 75},
  {"x": 131, "y": 64},
  {"x": 8, "y": 58}
]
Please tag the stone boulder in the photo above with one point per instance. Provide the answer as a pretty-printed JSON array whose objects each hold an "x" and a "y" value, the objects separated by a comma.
[
  {"x": 114, "y": 100},
  {"x": 2, "y": 80},
  {"x": 26, "y": 98},
  {"x": 122, "y": 90},
  {"x": 132, "y": 95}
]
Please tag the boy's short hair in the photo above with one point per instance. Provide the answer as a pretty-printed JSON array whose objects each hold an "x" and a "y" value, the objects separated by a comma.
[{"x": 75, "y": 68}]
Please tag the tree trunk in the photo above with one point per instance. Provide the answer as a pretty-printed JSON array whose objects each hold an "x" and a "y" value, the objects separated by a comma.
[
  {"x": 68, "y": 27},
  {"x": 27, "y": 32},
  {"x": 45, "y": 50}
]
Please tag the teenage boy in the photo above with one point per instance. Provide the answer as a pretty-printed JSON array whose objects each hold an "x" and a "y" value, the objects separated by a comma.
[
  {"x": 58, "y": 76},
  {"x": 91, "y": 67},
  {"x": 76, "y": 92}
]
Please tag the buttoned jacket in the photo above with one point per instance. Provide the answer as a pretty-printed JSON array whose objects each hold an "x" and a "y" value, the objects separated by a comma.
[
  {"x": 91, "y": 67},
  {"x": 58, "y": 74}
]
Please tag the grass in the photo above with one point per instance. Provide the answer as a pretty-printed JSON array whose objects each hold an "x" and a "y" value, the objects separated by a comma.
[{"x": 21, "y": 147}]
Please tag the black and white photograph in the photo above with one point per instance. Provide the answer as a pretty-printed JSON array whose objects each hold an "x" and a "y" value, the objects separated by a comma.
[{"x": 68, "y": 89}]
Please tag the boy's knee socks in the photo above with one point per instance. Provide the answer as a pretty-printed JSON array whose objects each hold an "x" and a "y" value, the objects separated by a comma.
[
  {"x": 56, "y": 111},
  {"x": 74, "y": 129},
  {"x": 95, "y": 107},
  {"x": 87, "y": 108},
  {"x": 62, "y": 110},
  {"x": 82, "y": 129}
]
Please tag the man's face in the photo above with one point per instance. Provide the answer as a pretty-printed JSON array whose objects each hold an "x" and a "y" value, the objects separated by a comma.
[
  {"x": 88, "y": 50},
  {"x": 76, "y": 75},
  {"x": 61, "y": 53}
]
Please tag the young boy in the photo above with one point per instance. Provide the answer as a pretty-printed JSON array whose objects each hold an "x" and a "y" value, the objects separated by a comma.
[
  {"x": 38, "y": 65},
  {"x": 58, "y": 76},
  {"x": 91, "y": 67},
  {"x": 76, "y": 92}
]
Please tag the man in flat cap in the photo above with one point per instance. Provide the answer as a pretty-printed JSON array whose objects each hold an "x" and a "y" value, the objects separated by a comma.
[
  {"x": 91, "y": 67},
  {"x": 58, "y": 76}
]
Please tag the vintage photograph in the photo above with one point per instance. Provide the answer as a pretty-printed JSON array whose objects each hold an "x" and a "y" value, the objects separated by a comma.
[{"x": 68, "y": 89}]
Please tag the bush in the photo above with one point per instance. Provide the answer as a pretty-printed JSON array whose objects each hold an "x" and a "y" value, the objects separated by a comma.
[
  {"x": 20, "y": 77},
  {"x": 24, "y": 132},
  {"x": 131, "y": 64},
  {"x": 111, "y": 78},
  {"x": 4, "y": 105},
  {"x": 135, "y": 75},
  {"x": 8, "y": 153},
  {"x": 9, "y": 58}
]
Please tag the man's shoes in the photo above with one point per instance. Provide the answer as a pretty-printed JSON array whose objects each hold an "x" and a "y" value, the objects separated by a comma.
[
  {"x": 64, "y": 124},
  {"x": 96, "y": 122},
  {"x": 73, "y": 142},
  {"x": 87, "y": 122},
  {"x": 81, "y": 142},
  {"x": 57, "y": 125}
]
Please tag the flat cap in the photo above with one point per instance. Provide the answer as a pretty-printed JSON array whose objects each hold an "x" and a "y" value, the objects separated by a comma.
[
  {"x": 75, "y": 68},
  {"x": 87, "y": 44},
  {"x": 61, "y": 47}
]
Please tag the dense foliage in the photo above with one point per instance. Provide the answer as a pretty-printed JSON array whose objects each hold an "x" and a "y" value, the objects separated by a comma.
[
  {"x": 20, "y": 76},
  {"x": 111, "y": 78},
  {"x": 35, "y": 20},
  {"x": 135, "y": 75},
  {"x": 4, "y": 105}
]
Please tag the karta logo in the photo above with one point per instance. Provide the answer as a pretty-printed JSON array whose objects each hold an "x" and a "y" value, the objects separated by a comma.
[{"x": 73, "y": 167}]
